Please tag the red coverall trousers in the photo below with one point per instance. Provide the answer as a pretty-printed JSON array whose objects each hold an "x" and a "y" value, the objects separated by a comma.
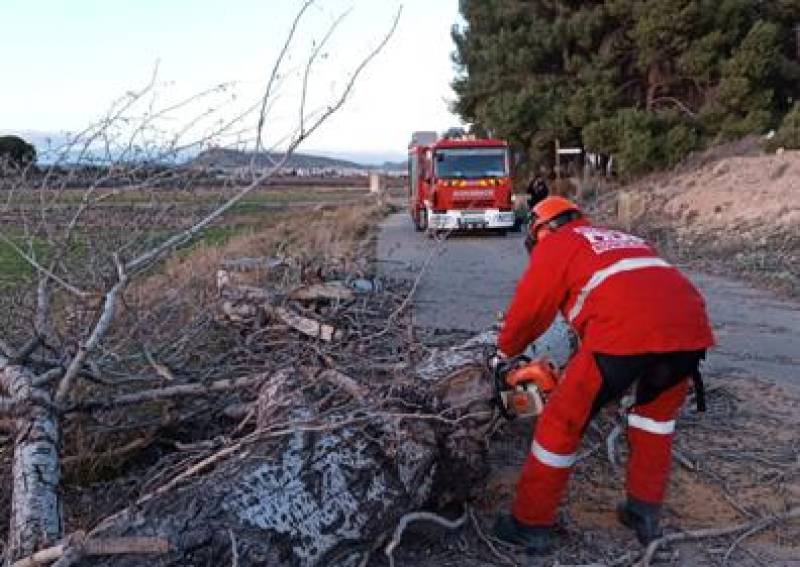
[{"x": 558, "y": 434}]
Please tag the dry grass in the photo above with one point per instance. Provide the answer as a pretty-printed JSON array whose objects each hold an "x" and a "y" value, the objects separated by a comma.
[
  {"x": 100, "y": 450},
  {"x": 337, "y": 233},
  {"x": 732, "y": 215}
]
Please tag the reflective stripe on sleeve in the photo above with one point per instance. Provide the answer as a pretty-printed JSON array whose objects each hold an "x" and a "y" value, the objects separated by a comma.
[
  {"x": 651, "y": 425},
  {"x": 552, "y": 459},
  {"x": 600, "y": 276}
]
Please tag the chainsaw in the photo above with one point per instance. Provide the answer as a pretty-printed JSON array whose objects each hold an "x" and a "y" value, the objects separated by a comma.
[{"x": 522, "y": 385}]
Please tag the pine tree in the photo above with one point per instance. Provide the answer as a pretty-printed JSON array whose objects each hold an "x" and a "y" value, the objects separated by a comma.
[{"x": 647, "y": 80}]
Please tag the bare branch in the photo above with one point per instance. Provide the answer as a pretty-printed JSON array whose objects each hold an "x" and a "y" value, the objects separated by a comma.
[
  {"x": 492, "y": 547},
  {"x": 41, "y": 321},
  {"x": 234, "y": 549},
  {"x": 275, "y": 68},
  {"x": 47, "y": 377},
  {"x": 28, "y": 349},
  {"x": 749, "y": 527},
  {"x": 682, "y": 106},
  {"x": 7, "y": 350},
  {"x": 421, "y": 517},
  {"x": 95, "y": 547},
  {"x": 180, "y": 390},
  {"x": 38, "y": 267},
  {"x": 146, "y": 259},
  {"x": 311, "y": 59},
  {"x": 344, "y": 382},
  {"x": 352, "y": 81},
  {"x": 99, "y": 331}
]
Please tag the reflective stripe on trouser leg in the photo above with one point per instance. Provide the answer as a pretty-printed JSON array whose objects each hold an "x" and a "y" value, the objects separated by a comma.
[
  {"x": 651, "y": 428},
  {"x": 556, "y": 439}
]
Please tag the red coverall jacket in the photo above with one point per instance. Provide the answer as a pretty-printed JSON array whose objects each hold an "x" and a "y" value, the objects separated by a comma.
[{"x": 614, "y": 290}]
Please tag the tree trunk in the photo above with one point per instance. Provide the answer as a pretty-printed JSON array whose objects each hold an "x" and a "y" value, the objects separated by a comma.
[
  {"x": 324, "y": 490},
  {"x": 315, "y": 486},
  {"x": 35, "y": 505}
]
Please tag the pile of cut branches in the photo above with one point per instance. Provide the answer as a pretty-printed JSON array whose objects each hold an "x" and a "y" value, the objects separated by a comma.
[{"x": 305, "y": 439}]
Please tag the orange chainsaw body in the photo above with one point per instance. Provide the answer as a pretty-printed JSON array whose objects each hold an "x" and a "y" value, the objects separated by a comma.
[
  {"x": 540, "y": 372},
  {"x": 529, "y": 385}
]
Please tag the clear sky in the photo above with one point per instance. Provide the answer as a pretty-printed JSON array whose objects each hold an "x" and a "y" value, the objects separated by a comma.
[{"x": 65, "y": 61}]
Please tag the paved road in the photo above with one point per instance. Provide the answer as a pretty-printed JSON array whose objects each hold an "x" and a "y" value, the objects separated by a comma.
[{"x": 470, "y": 278}]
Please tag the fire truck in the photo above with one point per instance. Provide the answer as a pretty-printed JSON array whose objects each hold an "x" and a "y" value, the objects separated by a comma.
[{"x": 459, "y": 183}]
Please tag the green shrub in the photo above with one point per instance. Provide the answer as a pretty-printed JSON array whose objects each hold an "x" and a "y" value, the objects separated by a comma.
[
  {"x": 680, "y": 141},
  {"x": 788, "y": 135},
  {"x": 641, "y": 141}
]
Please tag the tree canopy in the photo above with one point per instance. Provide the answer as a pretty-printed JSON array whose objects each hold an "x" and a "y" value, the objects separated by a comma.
[
  {"x": 645, "y": 80},
  {"x": 16, "y": 152}
]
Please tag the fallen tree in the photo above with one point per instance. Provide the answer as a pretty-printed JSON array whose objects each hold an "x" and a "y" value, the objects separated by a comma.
[
  {"x": 330, "y": 454},
  {"x": 327, "y": 464},
  {"x": 311, "y": 486},
  {"x": 333, "y": 462}
]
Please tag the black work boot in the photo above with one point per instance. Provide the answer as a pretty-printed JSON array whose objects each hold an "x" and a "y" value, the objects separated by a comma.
[
  {"x": 642, "y": 517},
  {"x": 537, "y": 540}
]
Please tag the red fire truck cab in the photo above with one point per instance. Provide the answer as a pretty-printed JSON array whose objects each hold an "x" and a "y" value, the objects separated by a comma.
[{"x": 459, "y": 183}]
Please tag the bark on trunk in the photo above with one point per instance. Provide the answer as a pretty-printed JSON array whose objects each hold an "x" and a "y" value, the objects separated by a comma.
[
  {"x": 322, "y": 494},
  {"x": 333, "y": 466},
  {"x": 35, "y": 505}
]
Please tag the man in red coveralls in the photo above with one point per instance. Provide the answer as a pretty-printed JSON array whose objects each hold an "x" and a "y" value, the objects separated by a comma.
[{"x": 640, "y": 321}]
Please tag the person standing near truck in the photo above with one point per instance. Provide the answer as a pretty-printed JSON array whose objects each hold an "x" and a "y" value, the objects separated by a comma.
[{"x": 536, "y": 191}]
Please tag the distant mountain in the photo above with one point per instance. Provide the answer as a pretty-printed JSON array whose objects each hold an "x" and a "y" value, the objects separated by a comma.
[
  {"x": 394, "y": 166},
  {"x": 369, "y": 158},
  {"x": 222, "y": 157},
  {"x": 48, "y": 146}
]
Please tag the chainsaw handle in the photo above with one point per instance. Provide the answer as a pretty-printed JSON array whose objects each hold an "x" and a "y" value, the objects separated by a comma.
[
  {"x": 491, "y": 352},
  {"x": 498, "y": 371}
]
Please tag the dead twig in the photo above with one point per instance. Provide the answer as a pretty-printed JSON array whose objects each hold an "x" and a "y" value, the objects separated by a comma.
[
  {"x": 749, "y": 528},
  {"x": 485, "y": 539},
  {"x": 611, "y": 445},
  {"x": 417, "y": 517},
  {"x": 752, "y": 531},
  {"x": 683, "y": 460},
  {"x": 115, "y": 453},
  {"x": 307, "y": 326},
  {"x": 100, "y": 546},
  {"x": 234, "y": 549},
  {"x": 344, "y": 382},
  {"x": 180, "y": 390},
  {"x": 98, "y": 333},
  {"x": 7, "y": 406}
]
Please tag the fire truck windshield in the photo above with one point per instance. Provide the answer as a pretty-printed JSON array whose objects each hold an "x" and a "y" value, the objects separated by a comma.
[{"x": 470, "y": 163}]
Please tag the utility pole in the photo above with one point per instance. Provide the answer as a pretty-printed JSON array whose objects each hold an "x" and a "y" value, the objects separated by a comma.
[
  {"x": 558, "y": 160},
  {"x": 797, "y": 39}
]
